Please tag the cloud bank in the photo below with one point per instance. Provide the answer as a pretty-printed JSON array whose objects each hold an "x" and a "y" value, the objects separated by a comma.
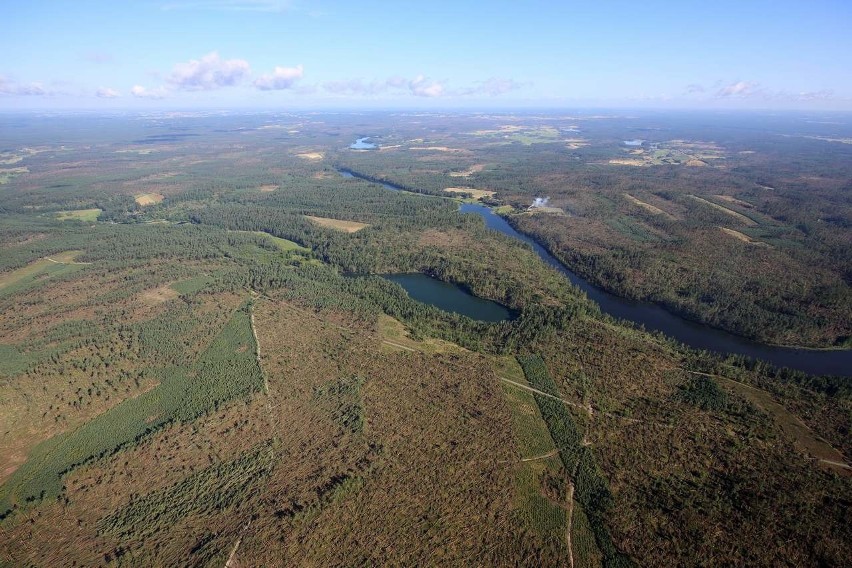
[
  {"x": 281, "y": 78},
  {"x": 141, "y": 92},
  {"x": 209, "y": 72},
  {"x": 107, "y": 93}
]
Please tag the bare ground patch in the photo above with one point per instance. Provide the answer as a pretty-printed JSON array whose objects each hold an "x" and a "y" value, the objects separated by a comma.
[
  {"x": 158, "y": 295},
  {"x": 475, "y": 193},
  {"x": 647, "y": 206},
  {"x": 739, "y": 216},
  {"x": 337, "y": 224},
  {"x": 144, "y": 199},
  {"x": 313, "y": 156},
  {"x": 742, "y": 237},
  {"x": 268, "y": 188},
  {"x": 474, "y": 169},
  {"x": 627, "y": 162}
]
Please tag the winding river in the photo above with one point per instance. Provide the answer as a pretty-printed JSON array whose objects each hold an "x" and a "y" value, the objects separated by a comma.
[{"x": 656, "y": 318}]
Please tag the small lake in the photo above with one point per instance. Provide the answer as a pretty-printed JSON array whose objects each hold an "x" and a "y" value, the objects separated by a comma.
[
  {"x": 362, "y": 144},
  {"x": 656, "y": 318},
  {"x": 450, "y": 298},
  {"x": 636, "y": 142}
]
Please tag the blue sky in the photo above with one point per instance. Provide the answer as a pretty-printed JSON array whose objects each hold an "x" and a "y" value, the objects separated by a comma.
[{"x": 306, "y": 54}]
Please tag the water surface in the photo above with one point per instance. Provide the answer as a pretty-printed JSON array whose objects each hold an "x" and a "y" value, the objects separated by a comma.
[
  {"x": 450, "y": 298},
  {"x": 362, "y": 144}
]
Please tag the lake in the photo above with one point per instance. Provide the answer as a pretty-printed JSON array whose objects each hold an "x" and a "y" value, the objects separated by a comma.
[
  {"x": 362, "y": 144},
  {"x": 636, "y": 142},
  {"x": 450, "y": 298},
  {"x": 656, "y": 318}
]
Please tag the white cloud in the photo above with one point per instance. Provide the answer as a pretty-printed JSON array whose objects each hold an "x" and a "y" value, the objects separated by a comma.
[
  {"x": 280, "y": 78},
  {"x": 422, "y": 86},
  {"x": 209, "y": 72},
  {"x": 107, "y": 93},
  {"x": 143, "y": 93},
  {"x": 8, "y": 87},
  {"x": 738, "y": 89}
]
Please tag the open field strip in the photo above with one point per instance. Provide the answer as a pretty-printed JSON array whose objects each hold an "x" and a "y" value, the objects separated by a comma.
[
  {"x": 144, "y": 199},
  {"x": 89, "y": 215},
  {"x": 739, "y": 216},
  {"x": 337, "y": 224},
  {"x": 743, "y": 237},
  {"x": 648, "y": 207},
  {"x": 475, "y": 193}
]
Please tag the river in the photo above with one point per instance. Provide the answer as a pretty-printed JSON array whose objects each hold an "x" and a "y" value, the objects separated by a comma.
[{"x": 656, "y": 318}]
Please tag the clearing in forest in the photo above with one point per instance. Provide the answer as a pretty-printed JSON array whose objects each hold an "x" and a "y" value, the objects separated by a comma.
[
  {"x": 268, "y": 188},
  {"x": 37, "y": 270},
  {"x": 734, "y": 200},
  {"x": 144, "y": 199},
  {"x": 313, "y": 156},
  {"x": 90, "y": 215},
  {"x": 474, "y": 193},
  {"x": 474, "y": 169},
  {"x": 739, "y": 216},
  {"x": 647, "y": 206},
  {"x": 742, "y": 237},
  {"x": 337, "y": 224}
]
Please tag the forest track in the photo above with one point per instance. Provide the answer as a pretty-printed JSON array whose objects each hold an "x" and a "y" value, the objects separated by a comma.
[
  {"x": 549, "y": 454},
  {"x": 53, "y": 260},
  {"x": 388, "y": 342},
  {"x": 569, "y": 513}
]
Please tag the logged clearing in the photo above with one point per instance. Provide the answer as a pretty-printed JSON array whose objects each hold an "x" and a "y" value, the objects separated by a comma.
[
  {"x": 475, "y": 193},
  {"x": 739, "y": 216},
  {"x": 803, "y": 438},
  {"x": 144, "y": 199},
  {"x": 158, "y": 295},
  {"x": 627, "y": 162},
  {"x": 734, "y": 200},
  {"x": 437, "y": 149},
  {"x": 268, "y": 188},
  {"x": 90, "y": 215},
  {"x": 647, "y": 206},
  {"x": 474, "y": 169},
  {"x": 338, "y": 224},
  {"x": 394, "y": 337},
  {"x": 744, "y": 238},
  {"x": 314, "y": 156}
]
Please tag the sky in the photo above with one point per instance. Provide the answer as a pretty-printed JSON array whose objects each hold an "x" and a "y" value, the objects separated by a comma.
[{"x": 372, "y": 54}]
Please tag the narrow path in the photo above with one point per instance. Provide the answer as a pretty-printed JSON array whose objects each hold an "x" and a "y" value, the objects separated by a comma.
[
  {"x": 570, "y": 515},
  {"x": 257, "y": 352},
  {"x": 61, "y": 262},
  {"x": 230, "y": 563},
  {"x": 549, "y": 454},
  {"x": 542, "y": 393},
  {"x": 388, "y": 342}
]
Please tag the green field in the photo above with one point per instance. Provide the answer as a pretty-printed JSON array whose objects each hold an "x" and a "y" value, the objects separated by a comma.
[{"x": 87, "y": 215}]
